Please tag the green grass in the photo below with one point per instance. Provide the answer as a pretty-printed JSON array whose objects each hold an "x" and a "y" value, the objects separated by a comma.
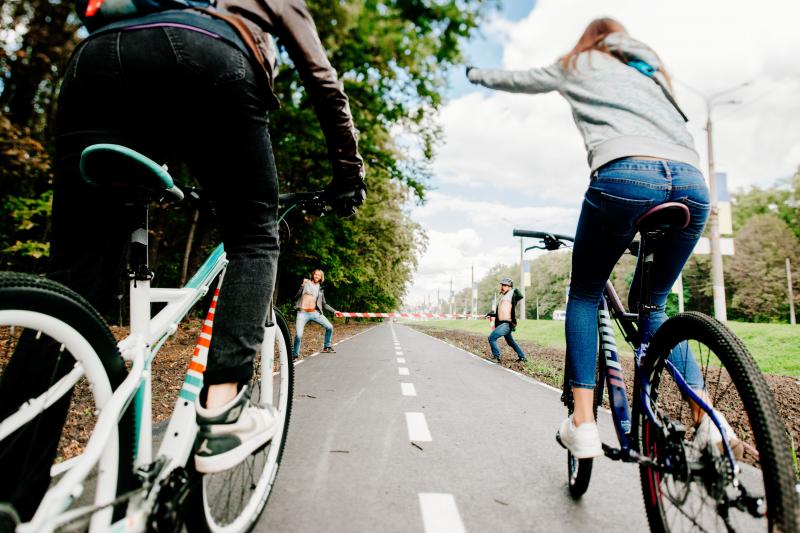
[{"x": 775, "y": 347}]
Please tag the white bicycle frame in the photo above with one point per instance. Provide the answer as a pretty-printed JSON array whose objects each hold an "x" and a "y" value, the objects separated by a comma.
[{"x": 147, "y": 335}]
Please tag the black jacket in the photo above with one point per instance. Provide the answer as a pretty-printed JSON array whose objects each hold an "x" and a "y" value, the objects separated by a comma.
[{"x": 515, "y": 298}]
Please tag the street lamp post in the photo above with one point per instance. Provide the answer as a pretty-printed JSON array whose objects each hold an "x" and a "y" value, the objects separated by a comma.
[
  {"x": 521, "y": 280},
  {"x": 717, "y": 273}
]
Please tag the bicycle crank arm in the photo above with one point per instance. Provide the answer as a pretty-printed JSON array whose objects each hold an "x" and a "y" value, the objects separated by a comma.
[{"x": 631, "y": 456}]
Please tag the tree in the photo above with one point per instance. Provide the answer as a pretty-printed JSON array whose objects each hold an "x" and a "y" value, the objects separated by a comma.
[
  {"x": 757, "y": 272},
  {"x": 782, "y": 200},
  {"x": 393, "y": 57}
]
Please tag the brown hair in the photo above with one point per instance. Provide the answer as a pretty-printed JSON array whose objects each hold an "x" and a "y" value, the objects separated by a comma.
[
  {"x": 321, "y": 273},
  {"x": 593, "y": 38}
]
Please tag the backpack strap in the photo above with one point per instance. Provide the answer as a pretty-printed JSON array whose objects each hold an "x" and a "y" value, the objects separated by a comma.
[{"x": 650, "y": 71}]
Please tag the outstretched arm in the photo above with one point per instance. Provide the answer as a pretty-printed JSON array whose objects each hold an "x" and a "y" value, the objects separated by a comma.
[{"x": 535, "y": 80}]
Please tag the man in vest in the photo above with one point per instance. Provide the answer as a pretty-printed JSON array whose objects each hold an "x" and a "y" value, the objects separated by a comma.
[{"x": 505, "y": 319}]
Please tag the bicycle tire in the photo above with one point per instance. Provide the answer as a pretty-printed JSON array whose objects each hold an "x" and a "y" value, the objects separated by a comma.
[
  {"x": 26, "y": 293},
  {"x": 198, "y": 513},
  {"x": 579, "y": 471},
  {"x": 767, "y": 461}
]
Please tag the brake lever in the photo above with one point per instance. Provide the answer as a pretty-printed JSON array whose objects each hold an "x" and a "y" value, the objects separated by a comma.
[{"x": 551, "y": 243}]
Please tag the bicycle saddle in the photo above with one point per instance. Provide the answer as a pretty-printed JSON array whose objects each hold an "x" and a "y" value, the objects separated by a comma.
[
  {"x": 666, "y": 216},
  {"x": 113, "y": 165}
]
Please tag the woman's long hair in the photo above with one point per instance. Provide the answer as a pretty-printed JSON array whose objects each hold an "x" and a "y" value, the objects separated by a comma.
[
  {"x": 593, "y": 38},
  {"x": 321, "y": 274}
]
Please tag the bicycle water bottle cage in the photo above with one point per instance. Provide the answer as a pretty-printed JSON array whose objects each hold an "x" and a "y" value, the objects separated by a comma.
[
  {"x": 664, "y": 217},
  {"x": 113, "y": 165}
]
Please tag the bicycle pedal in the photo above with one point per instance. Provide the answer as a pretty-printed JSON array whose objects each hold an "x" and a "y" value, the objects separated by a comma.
[{"x": 615, "y": 454}]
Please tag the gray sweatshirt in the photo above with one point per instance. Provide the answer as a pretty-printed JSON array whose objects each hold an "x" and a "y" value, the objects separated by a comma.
[{"x": 619, "y": 111}]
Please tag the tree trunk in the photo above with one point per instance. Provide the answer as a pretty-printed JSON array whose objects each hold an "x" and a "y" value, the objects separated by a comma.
[{"x": 188, "y": 250}]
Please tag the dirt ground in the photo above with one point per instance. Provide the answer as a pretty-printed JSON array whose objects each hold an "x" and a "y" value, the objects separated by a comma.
[
  {"x": 547, "y": 365},
  {"x": 169, "y": 369}
]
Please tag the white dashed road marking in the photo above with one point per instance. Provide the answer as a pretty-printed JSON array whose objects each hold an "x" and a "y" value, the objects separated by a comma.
[
  {"x": 403, "y": 371},
  {"x": 440, "y": 513},
  {"x": 417, "y": 428},
  {"x": 401, "y": 360},
  {"x": 408, "y": 389}
]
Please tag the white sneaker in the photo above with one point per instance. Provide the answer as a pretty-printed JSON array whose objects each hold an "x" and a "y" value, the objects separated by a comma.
[
  {"x": 230, "y": 433},
  {"x": 707, "y": 435},
  {"x": 582, "y": 441}
]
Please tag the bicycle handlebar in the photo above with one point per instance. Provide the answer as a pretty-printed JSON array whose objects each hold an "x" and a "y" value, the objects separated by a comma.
[
  {"x": 542, "y": 234},
  {"x": 300, "y": 197}
]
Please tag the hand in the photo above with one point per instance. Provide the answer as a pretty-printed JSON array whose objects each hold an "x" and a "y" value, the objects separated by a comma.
[
  {"x": 344, "y": 195},
  {"x": 467, "y": 71},
  {"x": 338, "y": 314}
]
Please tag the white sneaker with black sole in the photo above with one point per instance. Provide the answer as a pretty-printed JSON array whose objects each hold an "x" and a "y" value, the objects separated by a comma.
[
  {"x": 708, "y": 437},
  {"x": 582, "y": 441},
  {"x": 229, "y": 434}
]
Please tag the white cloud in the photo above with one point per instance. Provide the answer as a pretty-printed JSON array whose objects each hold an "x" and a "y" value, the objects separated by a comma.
[
  {"x": 506, "y": 150},
  {"x": 464, "y": 233}
]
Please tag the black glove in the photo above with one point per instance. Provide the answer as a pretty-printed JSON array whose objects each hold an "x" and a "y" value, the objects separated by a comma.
[{"x": 344, "y": 195}]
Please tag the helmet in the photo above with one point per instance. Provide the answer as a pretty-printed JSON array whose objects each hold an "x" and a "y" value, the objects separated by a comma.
[{"x": 507, "y": 281}]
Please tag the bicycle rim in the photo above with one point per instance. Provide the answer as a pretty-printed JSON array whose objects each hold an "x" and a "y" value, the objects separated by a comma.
[
  {"x": 54, "y": 347},
  {"x": 699, "y": 491},
  {"x": 234, "y": 499}
]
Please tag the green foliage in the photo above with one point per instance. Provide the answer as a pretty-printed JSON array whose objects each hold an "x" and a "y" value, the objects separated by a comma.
[
  {"x": 550, "y": 274},
  {"x": 392, "y": 56},
  {"x": 762, "y": 246},
  {"x": 25, "y": 182},
  {"x": 781, "y": 200}
]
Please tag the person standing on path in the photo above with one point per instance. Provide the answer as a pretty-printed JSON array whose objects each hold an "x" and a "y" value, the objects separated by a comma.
[
  {"x": 505, "y": 319},
  {"x": 310, "y": 306}
]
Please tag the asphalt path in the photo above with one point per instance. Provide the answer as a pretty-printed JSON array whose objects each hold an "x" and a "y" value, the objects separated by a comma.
[{"x": 399, "y": 431}]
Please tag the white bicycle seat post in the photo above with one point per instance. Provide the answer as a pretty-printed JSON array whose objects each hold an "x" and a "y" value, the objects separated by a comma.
[{"x": 139, "y": 276}]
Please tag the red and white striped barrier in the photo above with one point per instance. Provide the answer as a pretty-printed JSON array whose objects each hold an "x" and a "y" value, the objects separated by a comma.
[{"x": 406, "y": 315}]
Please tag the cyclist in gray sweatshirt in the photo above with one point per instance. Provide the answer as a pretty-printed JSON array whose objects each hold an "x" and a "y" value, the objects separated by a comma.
[{"x": 640, "y": 155}]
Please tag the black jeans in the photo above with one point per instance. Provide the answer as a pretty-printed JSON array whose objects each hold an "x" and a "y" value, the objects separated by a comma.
[
  {"x": 171, "y": 92},
  {"x": 166, "y": 92}
]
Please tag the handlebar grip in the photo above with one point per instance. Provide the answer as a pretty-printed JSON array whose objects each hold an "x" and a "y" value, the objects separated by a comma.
[
  {"x": 290, "y": 197},
  {"x": 541, "y": 235}
]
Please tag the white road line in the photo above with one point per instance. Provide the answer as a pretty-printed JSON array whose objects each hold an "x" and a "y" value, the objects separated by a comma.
[
  {"x": 403, "y": 371},
  {"x": 398, "y": 352},
  {"x": 418, "y": 428},
  {"x": 440, "y": 513},
  {"x": 408, "y": 389},
  {"x": 401, "y": 360}
]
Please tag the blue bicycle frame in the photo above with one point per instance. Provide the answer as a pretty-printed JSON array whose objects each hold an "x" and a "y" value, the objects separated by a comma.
[{"x": 611, "y": 371}]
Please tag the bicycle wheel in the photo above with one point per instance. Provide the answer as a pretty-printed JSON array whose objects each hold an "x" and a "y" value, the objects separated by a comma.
[
  {"x": 55, "y": 350},
  {"x": 579, "y": 471},
  {"x": 694, "y": 487},
  {"x": 233, "y": 500}
]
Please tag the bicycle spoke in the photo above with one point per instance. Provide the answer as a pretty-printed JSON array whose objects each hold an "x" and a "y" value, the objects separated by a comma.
[{"x": 693, "y": 493}]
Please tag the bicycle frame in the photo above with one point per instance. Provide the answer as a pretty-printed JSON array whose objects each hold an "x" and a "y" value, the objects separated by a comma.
[
  {"x": 147, "y": 335},
  {"x": 611, "y": 371}
]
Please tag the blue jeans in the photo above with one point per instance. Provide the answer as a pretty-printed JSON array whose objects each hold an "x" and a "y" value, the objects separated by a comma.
[
  {"x": 621, "y": 192},
  {"x": 302, "y": 318},
  {"x": 504, "y": 330}
]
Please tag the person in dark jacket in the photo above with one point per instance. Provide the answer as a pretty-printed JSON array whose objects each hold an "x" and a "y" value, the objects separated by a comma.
[
  {"x": 505, "y": 319},
  {"x": 193, "y": 86},
  {"x": 310, "y": 306}
]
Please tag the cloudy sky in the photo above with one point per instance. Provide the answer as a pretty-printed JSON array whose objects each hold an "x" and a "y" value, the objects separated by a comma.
[{"x": 512, "y": 160}]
